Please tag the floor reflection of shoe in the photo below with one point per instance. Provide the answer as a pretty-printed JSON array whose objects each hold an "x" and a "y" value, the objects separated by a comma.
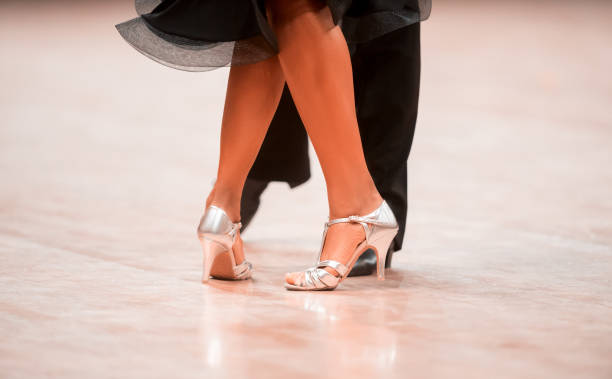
[
  {"x": 217, "y": 235},
  {"x": 380, "y": 228},
  {"x": 250, "y": 201}
]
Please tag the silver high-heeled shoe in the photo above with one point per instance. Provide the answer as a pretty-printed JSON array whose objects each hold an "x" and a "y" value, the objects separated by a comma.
[
  {"x": 217, "y": 234},
  {"x": 380, "y": 228}
]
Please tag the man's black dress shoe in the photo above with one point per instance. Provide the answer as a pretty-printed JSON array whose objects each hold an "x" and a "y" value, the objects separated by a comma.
[{"x": 366, "y": 264}]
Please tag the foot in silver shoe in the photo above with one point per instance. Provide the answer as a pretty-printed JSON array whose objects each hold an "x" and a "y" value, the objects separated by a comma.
[
  {"x": 380, "y": 228},
  {"x": 217, "y": 235}
]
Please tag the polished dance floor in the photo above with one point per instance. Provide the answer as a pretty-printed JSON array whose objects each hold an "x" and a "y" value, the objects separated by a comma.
[{"x": 106, "y": 158}]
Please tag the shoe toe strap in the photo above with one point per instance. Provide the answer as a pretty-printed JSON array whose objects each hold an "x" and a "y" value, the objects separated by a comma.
[
  {"x": 341, "y": 269},
  {"x": 318, "y": 278}
]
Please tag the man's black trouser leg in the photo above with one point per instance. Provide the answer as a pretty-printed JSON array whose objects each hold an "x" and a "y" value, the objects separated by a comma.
[{"x": 387, "y": 75}]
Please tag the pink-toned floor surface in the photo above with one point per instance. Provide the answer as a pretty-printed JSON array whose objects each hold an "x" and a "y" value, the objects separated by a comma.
[{"x": 106, "y": 158}]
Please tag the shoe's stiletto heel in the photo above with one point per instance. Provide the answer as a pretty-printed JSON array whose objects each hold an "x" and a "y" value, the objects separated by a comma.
[
  {"x": 217, "y": 234},
  {"x": 381, "y": 248},
  {"x": 380, "y": 228},
  {"x": 211, "y": 250}
]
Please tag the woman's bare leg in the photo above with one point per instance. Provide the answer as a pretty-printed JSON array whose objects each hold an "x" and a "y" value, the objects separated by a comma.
[
  {"x": 316, "y": 64},
  {"x": 253, "y": 93}
]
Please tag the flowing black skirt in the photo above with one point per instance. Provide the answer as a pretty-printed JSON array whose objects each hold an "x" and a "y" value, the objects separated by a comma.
[{"x": 200, "y": 35}]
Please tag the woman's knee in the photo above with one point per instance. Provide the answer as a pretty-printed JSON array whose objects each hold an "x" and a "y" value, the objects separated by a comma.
[{"x": 283, "y": 11}]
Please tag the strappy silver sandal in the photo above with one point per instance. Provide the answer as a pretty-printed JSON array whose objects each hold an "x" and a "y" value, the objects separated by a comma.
[
  {"x": 380, "y": 228},
  {"x": 217, "y": 234}
]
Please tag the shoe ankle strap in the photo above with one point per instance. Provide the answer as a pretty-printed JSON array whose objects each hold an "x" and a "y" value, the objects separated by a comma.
[
  {"x": 358, "y": 220},
  {"x": 235, "y": 229}
]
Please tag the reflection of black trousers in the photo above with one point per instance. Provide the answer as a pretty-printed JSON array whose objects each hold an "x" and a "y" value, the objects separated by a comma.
[{"x": 386, "y": 74}]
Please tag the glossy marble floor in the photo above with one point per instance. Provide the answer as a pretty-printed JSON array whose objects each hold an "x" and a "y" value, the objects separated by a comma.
[{"x": 106, "y": 157}]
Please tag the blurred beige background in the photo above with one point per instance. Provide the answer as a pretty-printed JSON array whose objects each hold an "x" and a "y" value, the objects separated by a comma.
[{"x": 106, "y": 158}]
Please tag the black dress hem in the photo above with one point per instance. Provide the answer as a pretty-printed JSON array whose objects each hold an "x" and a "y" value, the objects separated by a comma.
[{"x": 159, "y": 34}]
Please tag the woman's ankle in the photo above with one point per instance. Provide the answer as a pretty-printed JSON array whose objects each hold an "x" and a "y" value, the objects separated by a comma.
[
  {"x": 354, "y": 205},
  {"x": 226, "y": 200}
]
